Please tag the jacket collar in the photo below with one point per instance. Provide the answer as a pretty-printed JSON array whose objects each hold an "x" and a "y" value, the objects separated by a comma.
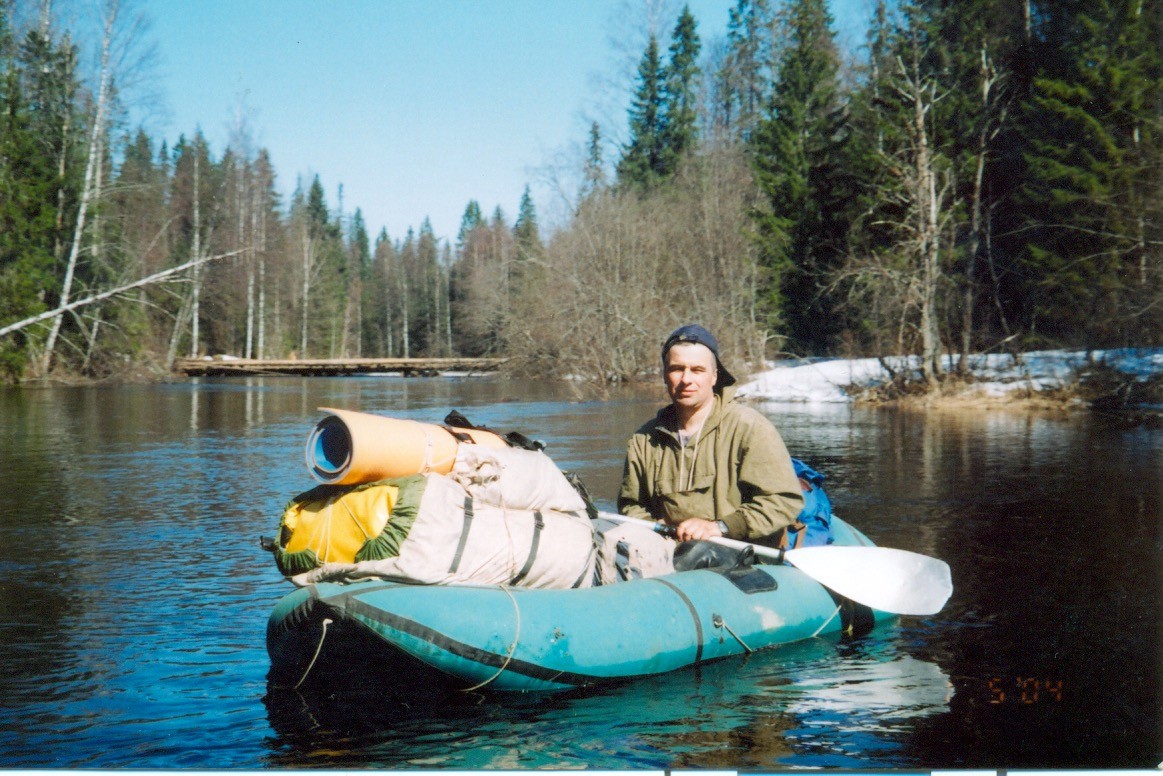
[{"x": 667, "y": 424}]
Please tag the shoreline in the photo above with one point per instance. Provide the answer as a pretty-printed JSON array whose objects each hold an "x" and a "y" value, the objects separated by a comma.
[{"x": 1045, "y": 382}]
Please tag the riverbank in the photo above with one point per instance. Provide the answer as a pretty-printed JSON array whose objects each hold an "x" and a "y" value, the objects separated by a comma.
[{"x": 1128, "y": 380}]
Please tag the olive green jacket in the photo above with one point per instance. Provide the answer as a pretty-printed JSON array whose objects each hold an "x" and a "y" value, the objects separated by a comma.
[{"x": 737, "y": 471}]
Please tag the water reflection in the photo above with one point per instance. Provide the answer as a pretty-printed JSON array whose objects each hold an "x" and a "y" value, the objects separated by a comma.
[
  {"x": 766, "y": 710},
  {"x": 134, "y": 597}
]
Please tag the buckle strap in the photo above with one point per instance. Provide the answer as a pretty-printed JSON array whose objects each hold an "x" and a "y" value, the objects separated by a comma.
[
  {"x": 538, "y": 525},
  {"x": 463, "y": 535}
]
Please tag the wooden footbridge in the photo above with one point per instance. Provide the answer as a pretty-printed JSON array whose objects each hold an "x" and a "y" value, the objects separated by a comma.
[{"x": 331, "y": 367}]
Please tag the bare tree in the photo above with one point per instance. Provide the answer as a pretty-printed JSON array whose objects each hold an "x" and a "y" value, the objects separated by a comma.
[
  {"x": 122, "y": 57},
  {"x": 631, "y": 267},
  {"x": 196, "y": 290},
  {"x": 898, "y": 288},
  {"x": 992, "y": 113},
  {"x": 309, "y": 253},
  {"x": 926, "y": 191},
  {"x": 93, "y": 159}
]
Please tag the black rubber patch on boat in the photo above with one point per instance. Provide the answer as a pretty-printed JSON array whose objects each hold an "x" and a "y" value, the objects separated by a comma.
[
  {"x": 694, "y": 616},
  {"x": 750, "y": 579}
]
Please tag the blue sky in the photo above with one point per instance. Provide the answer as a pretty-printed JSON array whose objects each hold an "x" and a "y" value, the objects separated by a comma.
[{"x": 414, "y": 106}]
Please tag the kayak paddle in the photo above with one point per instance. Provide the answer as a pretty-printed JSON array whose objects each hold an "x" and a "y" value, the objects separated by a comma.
[{"x": 883, "y": 578}]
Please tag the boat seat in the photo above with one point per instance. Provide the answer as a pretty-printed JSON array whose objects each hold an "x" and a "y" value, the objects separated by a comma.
[
  {"x": 736, "y": 565},
  {"x": 705, "y": 555}
]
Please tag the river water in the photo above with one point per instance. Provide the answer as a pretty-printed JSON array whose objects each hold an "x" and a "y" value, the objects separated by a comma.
[{"x": 134, "y": 594}]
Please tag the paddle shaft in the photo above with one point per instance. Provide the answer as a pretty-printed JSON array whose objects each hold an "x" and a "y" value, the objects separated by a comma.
[
  {"x": 882, "y": 578},
  {"x": 767, "y": 553}
]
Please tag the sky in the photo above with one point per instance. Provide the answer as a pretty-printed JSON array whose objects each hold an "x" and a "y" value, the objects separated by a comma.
[{"x": 414, "y": 107}]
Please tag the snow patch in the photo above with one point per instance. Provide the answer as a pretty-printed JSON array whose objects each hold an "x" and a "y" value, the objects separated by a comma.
[{"x": 832, "y": 381}]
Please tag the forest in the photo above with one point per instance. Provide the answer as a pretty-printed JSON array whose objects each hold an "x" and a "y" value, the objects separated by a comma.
[{"x": 979, "y": 175}]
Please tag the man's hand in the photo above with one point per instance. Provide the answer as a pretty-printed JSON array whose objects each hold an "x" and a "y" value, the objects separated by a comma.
[{"x": 695, "y": 529}]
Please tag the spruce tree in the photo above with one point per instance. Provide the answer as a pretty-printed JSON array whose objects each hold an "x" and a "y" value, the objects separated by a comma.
[
  {"x": 594, "y": 175},
  {"x": 137, "y": 204},
  {"x": 318, "y": 215},
  {"x": 1094, "y": 200},
  {"x": 744, "y": 78},
  {"x": 525, "y": 231},
  {"x": 381, "y": 315},
  {"x": 431, "y": 290},
  {"x": 359, "y": 284},
  {"x": 643, "y": 162},
  {"x": 798, "y": 150},
  {"x": 471, "y": 219},
  {"x": 25, "y": 259},
  {"x": 681, "y": 77},
  {"x": 38, "y": 177}
]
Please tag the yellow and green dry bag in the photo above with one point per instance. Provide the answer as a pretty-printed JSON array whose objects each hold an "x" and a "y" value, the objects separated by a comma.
[{"x": 347, "y": 523}]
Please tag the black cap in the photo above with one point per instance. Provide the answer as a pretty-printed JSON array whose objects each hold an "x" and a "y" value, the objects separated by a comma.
[{"x": 692, "y": 332}]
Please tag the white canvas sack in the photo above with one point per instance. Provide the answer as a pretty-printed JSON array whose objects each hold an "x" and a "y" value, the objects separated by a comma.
[
  {"x": 514, "y": 478},
  {"x": 494, "y": 545}
]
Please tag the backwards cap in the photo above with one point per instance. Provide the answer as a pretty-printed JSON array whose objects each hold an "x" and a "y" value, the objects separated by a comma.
[{"x": 692, "y": 332}]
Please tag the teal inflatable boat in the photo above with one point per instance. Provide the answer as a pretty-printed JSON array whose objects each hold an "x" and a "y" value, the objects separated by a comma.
[{"x": 521, "y": 639}]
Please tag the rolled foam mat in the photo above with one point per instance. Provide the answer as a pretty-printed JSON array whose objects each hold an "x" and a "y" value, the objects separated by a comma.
[{"x": 347, "y": 448}]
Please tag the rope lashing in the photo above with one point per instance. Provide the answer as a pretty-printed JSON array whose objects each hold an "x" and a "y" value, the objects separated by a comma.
[
  {"x": 512, "y": 647},
  {"x": 825, "y": 625},
  {"x": 326, "y": 621}
]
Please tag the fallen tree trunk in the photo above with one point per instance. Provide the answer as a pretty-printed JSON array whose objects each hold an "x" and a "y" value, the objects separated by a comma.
[{"x": 157, "y": 277}]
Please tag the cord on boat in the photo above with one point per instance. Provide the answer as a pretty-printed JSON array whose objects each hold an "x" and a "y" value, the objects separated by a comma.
[
  {"x": 718, "y": 622},
  {"x": 326, "y": 621},
  {"x": 825, "y": 625},
  {"x": 512, "y": 647}
]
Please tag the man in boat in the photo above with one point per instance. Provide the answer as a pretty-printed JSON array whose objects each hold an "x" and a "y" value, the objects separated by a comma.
[{"x": 707, "y": 465}]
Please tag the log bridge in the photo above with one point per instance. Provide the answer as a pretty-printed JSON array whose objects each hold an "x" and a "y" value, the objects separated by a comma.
[{"x": 332, "y": 367}]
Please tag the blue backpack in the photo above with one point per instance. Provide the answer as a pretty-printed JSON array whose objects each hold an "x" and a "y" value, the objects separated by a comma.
[{"x": 813, "y": 526}]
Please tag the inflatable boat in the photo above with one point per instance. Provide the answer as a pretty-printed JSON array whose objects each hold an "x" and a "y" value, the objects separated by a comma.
[
  {"x": 429, "y": 596},
  {"x": 520, "y": 639}
]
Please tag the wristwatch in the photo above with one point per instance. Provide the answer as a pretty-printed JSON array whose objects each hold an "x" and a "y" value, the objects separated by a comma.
[{"x": 721, "y": 526}]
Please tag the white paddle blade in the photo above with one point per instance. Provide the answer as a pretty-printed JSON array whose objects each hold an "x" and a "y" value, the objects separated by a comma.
[{"x": 891, "y": 580}]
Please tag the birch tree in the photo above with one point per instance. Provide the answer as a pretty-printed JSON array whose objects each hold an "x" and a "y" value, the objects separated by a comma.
[
  {"x": 897, "y": 281},
  {"x": 109, "y": 20}
]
